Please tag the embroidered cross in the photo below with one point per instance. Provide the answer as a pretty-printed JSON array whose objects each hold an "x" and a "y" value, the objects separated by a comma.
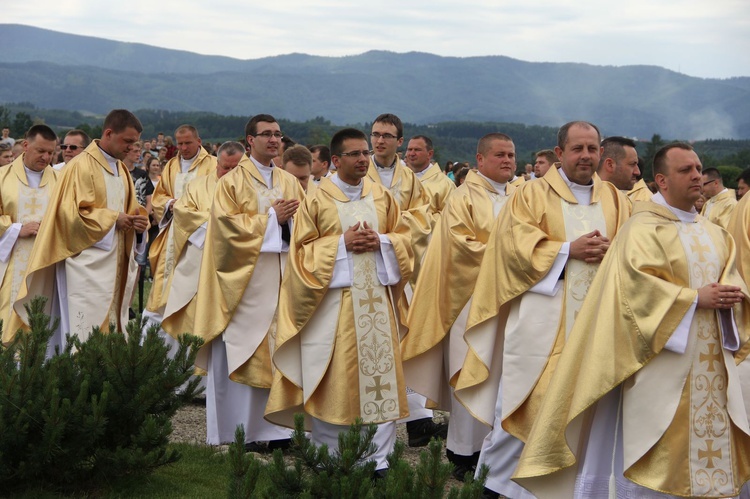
[
  {"x": 378, "y": 388},
  {"x": 33, "y": 205},
  {"x": 370, "y": 301},
  {"x": 710, "y": 357},
  {"x": 699, "y": 248},
  {"x": 709, "y": 454}
]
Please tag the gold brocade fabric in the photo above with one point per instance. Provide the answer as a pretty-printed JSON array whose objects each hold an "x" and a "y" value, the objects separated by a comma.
[
  {"x": 162, "y": 253},
  {"x": 438, "y": 187},
  {"x": 451, "y": 266},
  {"x": 414, "y": 203},
  {"x": 638, "y": 298},
  {"x": 640, "y": 192},
  {"x": 78, "y": 218},
  {"x": 19, "y": 203},
  {"x": 316, "y": 356},
  {"x": 525, "y": 240},
  {"x": 719, "y": 208},
  {"x": 236, "y": 226}
]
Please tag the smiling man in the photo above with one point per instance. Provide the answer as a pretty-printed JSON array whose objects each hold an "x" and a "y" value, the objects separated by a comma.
[
  {"x": 648, "y": 390},
  {"x": 350, "y": 257},
  {"x": 25, "y": 189},
  {"x": 543, "y": 252},
  {"x": 91, "y": 233}
]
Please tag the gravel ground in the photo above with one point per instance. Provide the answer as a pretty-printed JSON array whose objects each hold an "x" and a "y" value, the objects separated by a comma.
[{"x": 189, "y": 425}]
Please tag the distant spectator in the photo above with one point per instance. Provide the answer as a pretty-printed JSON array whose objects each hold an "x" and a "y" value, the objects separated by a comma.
[
  {"x": 321, "y": 156},
  {"x": 743, "y": 183},
  {"x": 544, "y": 160},
  {"x": 17, "y": 149},
  {"x": 74, "y": 143},
  {"x": 170, "y": 147},
  {"x": 461, "y": 175},
  {"x": 6, "y": 138},
  {"x": 130, "y": 161},
  {"x": 159, "y": 140}
]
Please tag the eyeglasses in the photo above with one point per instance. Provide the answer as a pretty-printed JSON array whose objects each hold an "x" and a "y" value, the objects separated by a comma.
[
  {"x": 384, "y": 136},
  {"x": 356, "y": 154},
  {"x": 268, "y": 135},
  {"x": 71, "y": 147},
  {"x": 709, "y": 181}
]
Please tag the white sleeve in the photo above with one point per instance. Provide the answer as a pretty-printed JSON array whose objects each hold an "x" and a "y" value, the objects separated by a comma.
[
  {"x": 389, "y": 272},
  {"x": 342, "y": 268},
  {"x": 272, "y": 242},
  {"x": 140, "y": 248},
  {"x": 167, "y": 216},
  {"x": 106, "y": 242},
  {"x": 8, "y": 240},
  {"x": 677, "y": 342},
  {"x": 550, "y": 283},
  {"x": 729, "y": 335},
  {"x": 198, "y": 237}
]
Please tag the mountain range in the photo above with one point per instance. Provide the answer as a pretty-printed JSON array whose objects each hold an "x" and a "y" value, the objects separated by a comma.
[{"x": 93, "y": 75}]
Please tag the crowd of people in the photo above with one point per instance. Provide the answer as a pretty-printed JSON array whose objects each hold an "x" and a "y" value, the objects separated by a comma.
[{"x": 587, "y": 334}]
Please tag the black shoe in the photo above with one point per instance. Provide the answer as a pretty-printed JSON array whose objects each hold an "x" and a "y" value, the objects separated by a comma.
[
  {"x": 489, "y": 494},
  {"x": 462, "y": 464},
  {"x": 380, "y": 474},
  {"x": 258, "y": 447},
  {"x": 283, "y": 444},
  {"x": 422, "y": 430}
]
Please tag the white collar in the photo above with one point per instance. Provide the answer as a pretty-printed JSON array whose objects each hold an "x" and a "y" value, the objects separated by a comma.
[
  {"x": 499, "y": 187},
  {"x": 684, "y": 216},
  {"x": 353, "y": 192}
]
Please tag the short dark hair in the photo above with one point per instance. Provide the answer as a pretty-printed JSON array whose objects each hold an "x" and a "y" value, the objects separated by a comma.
[
  {"x": 186, "y": 128},
  {"x": 391, "y": 119},
  {"x": 712, "y": 174},
  {"x": 427, "y": 141},
  {"x": 660, "y": 158},
  {"x": 252, "y": 126},
  {"x": 614, "y": 147},
  {"x": 324, "y": 154},
  {"x": 744, "y": 176},
  {"x": 562, "y": 133},
  {"x": 119, "y": 119},
  {"x": 297, "y": 154},
  {"x": 230, "y": 148},
  {"x": 484, "y": 142},
  {"x": 460, "y": 174},
  {"x": 80, "y": 133},
  {"x": 46, "y": 132},
  {"x": 547, "y": 153},
  {"x": 337, "y": 141}
]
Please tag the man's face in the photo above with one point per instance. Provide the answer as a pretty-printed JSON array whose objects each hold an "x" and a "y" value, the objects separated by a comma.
[
  {"x": 118, "y": 145},
  {"x": 134, "y": 156},
  {"x": 265, "y": 146},
  {"x": 163, "y": 153},
  {"x": 38, "y": 153},
  {"x": 6, "y": 133},
  {"x": 580, "y": 156},
  {"x": 681, "y": 185},
  {"x": 541, "y": 166},
  {"x": 352, "y": 165},
  {"x": 226, "y": 163},
  {"x": 385, "y": 142},
  {"x": 499, "y": 161},
  {"x": 742, "y": 188},
  {"x": 188, "y": 144},
  {"x": 417, "y": 155},
  {"x": 6, "y": 156},
  {"x": 626, "y": 170},
  {"x": 302, "y": 172},
  {"x": 319, "y": 168},
  {"x": 71, "y": 147},
  {"x": 710, "y": 187}
]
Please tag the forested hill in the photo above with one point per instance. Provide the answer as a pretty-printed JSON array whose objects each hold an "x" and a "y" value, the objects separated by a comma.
[{"x": 56, "y": 70}]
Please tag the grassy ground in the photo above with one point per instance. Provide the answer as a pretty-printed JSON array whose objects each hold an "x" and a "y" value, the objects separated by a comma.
[{"x": 202, "y": 472}]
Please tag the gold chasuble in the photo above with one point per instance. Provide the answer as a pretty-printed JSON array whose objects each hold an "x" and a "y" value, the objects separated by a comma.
[
  {"x": 516, "y": 181},
  {"x": 82, "y": 210},
  {"x": 505, "y": 330},
  {"x": 162, "y": 255},
  {"x": 719, "y": 208},
  {"x": 190, "y": 212},
  {"x": 443, "y": 290},
  {"x": 640, "y": 192},
  {"x": 337, "y": 355},
  {"x": 684, "y": 421},
  {"x": 438, "y": 187},
  {"x": 414, "y": 203},
  {"x": 239, "y": 284},
  {"x": 19, "y": 203}
]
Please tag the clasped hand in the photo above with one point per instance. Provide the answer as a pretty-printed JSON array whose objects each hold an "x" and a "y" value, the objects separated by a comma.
[{"x": 361, "y": 238}]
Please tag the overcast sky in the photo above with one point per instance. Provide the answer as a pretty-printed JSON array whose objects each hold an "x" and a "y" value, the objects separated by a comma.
[{"x": 696, "y": 37}]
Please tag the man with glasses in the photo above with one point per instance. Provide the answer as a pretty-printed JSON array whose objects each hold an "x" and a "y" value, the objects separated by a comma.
[
  {"x": 74, "y": 143},
  {"x": 246, "y": 246},
  {"x": 720, "y": 200},
  {"x": 25, "y": 188},
  {"x": 337, "y": 352}
]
